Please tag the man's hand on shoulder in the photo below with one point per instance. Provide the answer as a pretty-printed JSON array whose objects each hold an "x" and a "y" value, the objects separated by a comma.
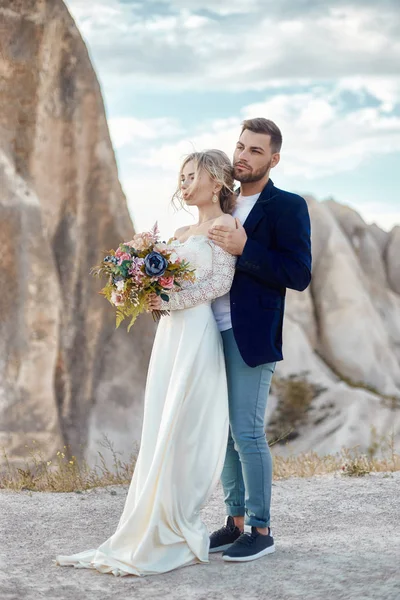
[{"x": 231, "y": 237}]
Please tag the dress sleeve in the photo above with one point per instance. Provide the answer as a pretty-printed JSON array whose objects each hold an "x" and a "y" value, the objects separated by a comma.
[{"x": 217, "y": 284}]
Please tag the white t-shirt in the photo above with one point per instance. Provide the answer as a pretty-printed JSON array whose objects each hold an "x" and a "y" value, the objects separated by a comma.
[{"x": 222, "y": 306}]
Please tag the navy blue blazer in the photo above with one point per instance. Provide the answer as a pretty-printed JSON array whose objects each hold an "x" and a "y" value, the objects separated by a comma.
[{"x": 277, "y": 255}]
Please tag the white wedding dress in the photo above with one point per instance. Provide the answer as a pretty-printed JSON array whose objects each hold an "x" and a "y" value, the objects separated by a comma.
[{"x": 184, "y": 435}]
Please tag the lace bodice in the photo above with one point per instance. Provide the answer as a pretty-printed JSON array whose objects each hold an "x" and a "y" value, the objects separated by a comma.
[{"x": 215, "y": 269}]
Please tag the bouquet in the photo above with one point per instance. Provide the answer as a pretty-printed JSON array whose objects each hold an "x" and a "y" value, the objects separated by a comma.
[{"x": 139, "y": 268}]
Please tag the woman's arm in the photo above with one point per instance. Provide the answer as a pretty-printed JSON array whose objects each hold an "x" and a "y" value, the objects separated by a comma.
[{"x": 217, "y": 284}]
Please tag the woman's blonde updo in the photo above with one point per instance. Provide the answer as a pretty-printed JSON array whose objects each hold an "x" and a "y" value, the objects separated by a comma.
[{"x": 219, "y": 167}]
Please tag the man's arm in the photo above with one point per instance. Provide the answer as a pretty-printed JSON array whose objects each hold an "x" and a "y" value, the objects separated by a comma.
[{"x": 290, "y": 264}]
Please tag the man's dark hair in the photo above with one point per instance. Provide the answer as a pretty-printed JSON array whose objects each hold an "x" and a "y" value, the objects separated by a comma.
[{"x": 261, "y": 125}]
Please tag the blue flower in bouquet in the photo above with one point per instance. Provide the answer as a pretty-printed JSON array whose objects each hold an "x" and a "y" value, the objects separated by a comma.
[
  {"x": 117, "y": 278},
  {"x": 155, "y": 264},
  {"x": 110, "y": 259}
]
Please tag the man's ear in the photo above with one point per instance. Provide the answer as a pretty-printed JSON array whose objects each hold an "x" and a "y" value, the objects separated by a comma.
[{"x": 275, "y": 159}]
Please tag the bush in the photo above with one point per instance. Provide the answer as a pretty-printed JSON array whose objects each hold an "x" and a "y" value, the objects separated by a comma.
[
  {"x": 65, "y": 473},
  {"x": 68, "y": 475},
  {"x": 295, "y": 395}
]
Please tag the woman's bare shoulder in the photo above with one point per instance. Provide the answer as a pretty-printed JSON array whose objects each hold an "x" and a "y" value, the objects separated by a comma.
[
  {"x": 181, "y": 231},
  {"x": 226, "y": 220}
]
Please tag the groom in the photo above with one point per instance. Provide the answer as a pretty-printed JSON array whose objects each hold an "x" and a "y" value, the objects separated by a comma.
[{"x": 272, "y": 242}]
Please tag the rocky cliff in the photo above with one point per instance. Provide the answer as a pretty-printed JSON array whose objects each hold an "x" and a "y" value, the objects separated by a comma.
[
  {"x": 65, "y": 373},
  {"x": 343, "y": 334}
]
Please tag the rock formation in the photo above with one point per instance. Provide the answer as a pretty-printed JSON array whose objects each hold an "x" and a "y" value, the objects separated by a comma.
[
  {"x": 65, "y": 373},
  {"x": 343, "y": 333},
  {"x": 393, "y": 260}
]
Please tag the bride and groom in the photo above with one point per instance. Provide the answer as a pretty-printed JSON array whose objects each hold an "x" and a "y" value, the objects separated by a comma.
[{"x": 211, "y": 367}]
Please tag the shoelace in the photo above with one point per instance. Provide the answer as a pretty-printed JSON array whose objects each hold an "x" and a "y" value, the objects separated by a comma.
[
  {"x": 223, "y": 529},
  {"x": 246, "y": 539}
]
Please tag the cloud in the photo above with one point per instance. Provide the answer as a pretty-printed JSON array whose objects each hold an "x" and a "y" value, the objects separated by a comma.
[
  {"x": 319, "y": 140},
  {"x": 185, "y": 46},
  {"x": 385, "y": 89},
  {"x": 327, "y": 73},
  {"x": 221, "y": 8},
  {"x": 127, "y": 130}
]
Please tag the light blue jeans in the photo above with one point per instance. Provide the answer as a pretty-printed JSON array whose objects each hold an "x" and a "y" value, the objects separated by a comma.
[{"x": 247, "y": 474}]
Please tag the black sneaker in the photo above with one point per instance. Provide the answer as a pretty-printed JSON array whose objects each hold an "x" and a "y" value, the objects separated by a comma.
[
  {"x": 250, "y": 546},
  {"x": 223, "y": 538}
]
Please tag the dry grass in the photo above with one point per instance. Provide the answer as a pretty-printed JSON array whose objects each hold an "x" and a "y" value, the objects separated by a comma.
[
  {"x": 381, "y": 456},
  {"x": 66, "y": 474},
  {"x": 348, "y": 462}
]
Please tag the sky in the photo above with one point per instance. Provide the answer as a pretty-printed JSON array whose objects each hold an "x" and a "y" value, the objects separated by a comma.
[{"x": 181, "y": 75}]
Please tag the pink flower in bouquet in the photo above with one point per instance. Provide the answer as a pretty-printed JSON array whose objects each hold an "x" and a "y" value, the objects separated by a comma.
[
  {"x": 117, "y": 299},
  {"x": 148, "y": 239},
  {"x": 141, "y": 241},
  {"x": 137, "y": 242},
  {"x": 136, "y": 267},
  {"x": 136, "y": 270},
  {"x": 167, "y": 282},
  {"x": 122, "y": 256},
  {"x": 119, "y": 253},
  {"x": 161, "y": 247}
]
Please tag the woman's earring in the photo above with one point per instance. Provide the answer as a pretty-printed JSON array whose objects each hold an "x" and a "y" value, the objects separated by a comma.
[{"x": 215, "y": 198}]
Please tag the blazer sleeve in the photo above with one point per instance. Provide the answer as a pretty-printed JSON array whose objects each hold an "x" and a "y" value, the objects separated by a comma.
[{"x": 289, "y": 264}]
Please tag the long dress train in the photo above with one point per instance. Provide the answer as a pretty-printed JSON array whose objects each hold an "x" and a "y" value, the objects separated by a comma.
[{"x": 184, "y": 434}]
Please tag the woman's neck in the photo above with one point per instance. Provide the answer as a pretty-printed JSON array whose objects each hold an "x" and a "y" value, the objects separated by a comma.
[{"x": 208, "y": 213}]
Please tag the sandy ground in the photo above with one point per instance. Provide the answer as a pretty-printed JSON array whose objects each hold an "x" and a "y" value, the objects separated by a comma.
[{"x": 337, "y": 538}]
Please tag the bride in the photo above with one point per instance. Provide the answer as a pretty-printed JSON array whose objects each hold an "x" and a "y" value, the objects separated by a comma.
[{"x": 186, "y": 422}]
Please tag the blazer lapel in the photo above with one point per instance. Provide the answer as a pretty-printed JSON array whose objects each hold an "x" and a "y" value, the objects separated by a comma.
[{"x": 257, "y": 212}]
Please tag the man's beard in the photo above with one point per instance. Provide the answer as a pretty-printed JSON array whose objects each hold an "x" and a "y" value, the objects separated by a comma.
[{"x": 252, "y": 176}]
